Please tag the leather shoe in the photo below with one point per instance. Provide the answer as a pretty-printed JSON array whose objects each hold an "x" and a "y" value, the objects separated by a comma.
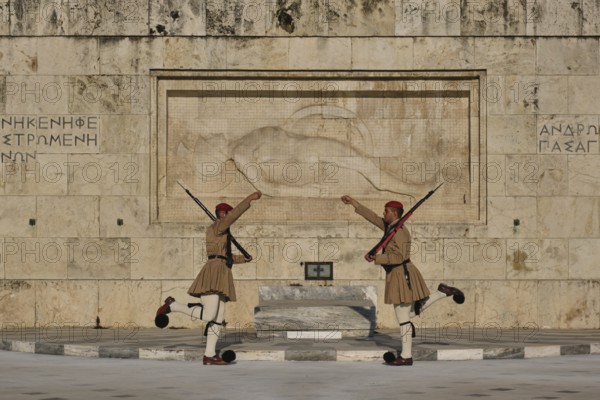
[
  {"x": 457, "y": 295},
  {"x": 165, "y": 309},
  {"x": 402, "y": 361},
  {"x": 213, "y": 361}
]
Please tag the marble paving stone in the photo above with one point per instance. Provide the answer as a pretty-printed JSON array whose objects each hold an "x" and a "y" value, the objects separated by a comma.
[
  {"x": 49, "y": 348},
  {"x": 262, "y": 355},
  {"x": 117, "y": 352},
  {"x": 503, "y": 353},
  {"x": 310, "y": 355},
  {"x": 542, "y": 351},
  {"x": 567, "y": 350},
  {"x": 157, "y": 354},
  {"x": 460, "y": 354},
  {"x": 81, "y": 350},
  {"x": 359, "y": 355},
  {"x": 595, "y": 348},
  {"x": 23, "y": 347}
]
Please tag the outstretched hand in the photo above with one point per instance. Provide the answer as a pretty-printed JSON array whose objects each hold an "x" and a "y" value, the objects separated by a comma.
[
  {"x": 349, "y": 200},
  {"x": 369, "y": 257},
  {"x": 254, "y": 196}
]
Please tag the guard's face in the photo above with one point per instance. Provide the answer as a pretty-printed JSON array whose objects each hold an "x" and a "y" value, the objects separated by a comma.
[
  {"x": 221, "y": 214},
  {"x": 390, "y": 215}
]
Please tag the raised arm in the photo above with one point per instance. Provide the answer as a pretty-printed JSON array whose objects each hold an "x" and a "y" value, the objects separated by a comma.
[
  {"x": 364, "y": 212},
  {"x": 237, "y": 212}
]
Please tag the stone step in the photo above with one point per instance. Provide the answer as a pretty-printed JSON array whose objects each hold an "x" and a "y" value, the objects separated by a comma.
[{"x": 307, "y": 312}]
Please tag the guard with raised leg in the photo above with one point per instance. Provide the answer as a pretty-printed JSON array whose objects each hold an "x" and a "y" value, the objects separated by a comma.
[
  {"x": 405, "y": 287},
  {"x": 214, "y": 284}
]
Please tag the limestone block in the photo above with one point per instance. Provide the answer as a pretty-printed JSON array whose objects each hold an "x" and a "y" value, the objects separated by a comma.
[
  {"x": 364, "y": 230},
  {"x": 17, "y": 304},
  {"x": 506, "y": 56},
  {"x": 130, "y": 55},
  {"x": 544, "y": 175},
  {"x": 110, "y": 94},
  {"x": 474, "y": 259},
  {"x": 46, "y": 175},
  {"x": 502, "y": 213},
  {"x": 543, "y": 94},
  {"x": 435, "y": 18},
  {"x": 382, "y": 53},
  {"x": 584, "y": 175},
  {"x": 447, "y": 317},
  {"x": 348, "y": 258},
  {"x": 280, "y": 258},
  {"x": 551, "y": 18},
  {"x": 66, "y": 303},
  {"x": 101, "y": 258},
  {"x": 110, "y": 18},
  {"x": 33, "y": 18},
  {"x": 537, "y": 259},
  {"x": 128, "y": 304},
  {"x": 568, "y": 134},
  {"x": 320, "y": 53},
  {"x": 493, "y": 18},
  {"x": 39, "y": 258},
  {"x": 37, "y": 95},
  {"x": 579, "y": 217},
  {"x": 495, "y": 95},
  {"x": 569, "y": 304},
  {"x": 567, "y": 56},
  {"x": 515, "y": 134},
  {"x": 18, "y": 55},
  {"x": 252, "y": 53},
  {"x": 15, "y": 213},
  {"x": 591, "y": 17},
  {"x": 133, "y": 211},
  {"x": 5, "y": 15},
  {"x": 495, "y": 175},
  {"x": 423, "y": 231},
  {"x": 295, "y": 17},
  {"x": 444, "y": 53},
  {"x": 67, "y": 216},
  {"x": 583, "y": 258},
  {"x": 108, "y": 174},
  {"x": 195, "y": 53},
  {"x": 78, "y": 56},
  {"x": 162, "y": 258},
  {"x": 375, "y": 18},
  {"x": 508, "y": 304},
  {"x": 582, "y": 93},
  {"x": 124, "y": 134},
  {"x": 428, "y": 255},
  {"x": 178, "y": 17},
  {"x": 237, "y": 18}
]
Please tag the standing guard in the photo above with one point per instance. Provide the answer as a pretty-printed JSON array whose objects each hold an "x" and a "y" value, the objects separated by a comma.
[
  {"x": 214, "y": 283},
  {"x": 405, "y": 287}
]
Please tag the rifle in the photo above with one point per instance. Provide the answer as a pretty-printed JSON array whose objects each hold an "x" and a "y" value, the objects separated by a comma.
[
  {"x": 386, "y": 239},
  {"x": 212, "y": 217}
]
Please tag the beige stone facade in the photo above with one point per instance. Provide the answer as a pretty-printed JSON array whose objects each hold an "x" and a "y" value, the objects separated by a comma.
[{"x": 102, "y": 110}]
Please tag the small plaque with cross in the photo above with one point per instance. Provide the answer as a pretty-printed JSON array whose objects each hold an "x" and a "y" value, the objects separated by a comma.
[{"x": 318, "y": 270}]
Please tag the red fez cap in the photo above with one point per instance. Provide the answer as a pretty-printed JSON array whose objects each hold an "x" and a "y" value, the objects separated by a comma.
[
  {"x": 224, "y": 207},
  {"x": 394, "y": 204}
]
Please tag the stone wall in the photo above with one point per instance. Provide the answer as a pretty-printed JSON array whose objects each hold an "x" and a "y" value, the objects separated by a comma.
[{"x": 76, "y": 82}]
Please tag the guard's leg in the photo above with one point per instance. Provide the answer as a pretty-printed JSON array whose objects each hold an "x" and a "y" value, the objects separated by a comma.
[
  {"x": 194, "y": 310},
  {"x": 442, "y": 292},
  {"x": 212, "y": 333},
  {"x": 407, "y": 330},
  {"x": 423, "y": 304}
]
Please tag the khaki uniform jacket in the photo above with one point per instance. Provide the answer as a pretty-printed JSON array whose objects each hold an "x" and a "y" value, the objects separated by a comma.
[
  {"x": 215, "y": 277},
  {"x": 396, "y": 251}
]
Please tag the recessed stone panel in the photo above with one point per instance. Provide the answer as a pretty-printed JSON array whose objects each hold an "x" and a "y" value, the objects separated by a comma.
[{"x": 341, "y": 150}]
